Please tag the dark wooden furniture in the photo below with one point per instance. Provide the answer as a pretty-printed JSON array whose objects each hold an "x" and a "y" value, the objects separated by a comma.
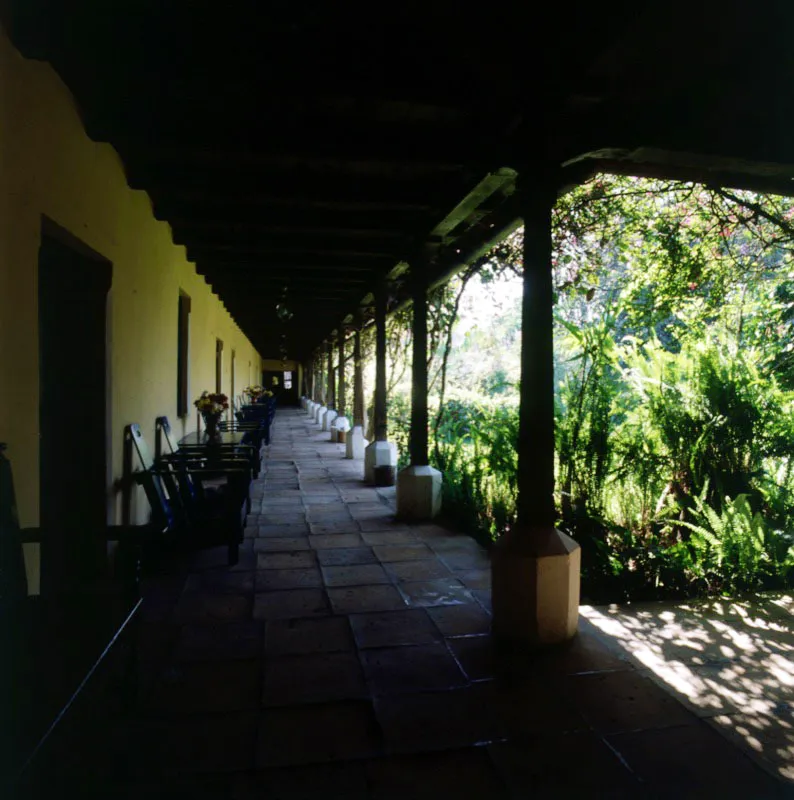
[
  {"x": 259, "y": 415},
  {"x": 228, "y": 437},
  {"x": 192, "y": 514},
  {"x": 231, "y": 452}
]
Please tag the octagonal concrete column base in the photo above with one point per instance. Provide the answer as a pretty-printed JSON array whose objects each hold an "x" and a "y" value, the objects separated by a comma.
[
  {"x": 380, "y": 463},
  {"x": 535, "y": 587},
  {"x": 327, "y": 418},
  {"x": 418, "y": 493},
  {"x": 318, "y": 414},
  {"x": 340, "y": 425},
  {"x": 309, "y": 407},
  {"x": 355, "y": 443}
]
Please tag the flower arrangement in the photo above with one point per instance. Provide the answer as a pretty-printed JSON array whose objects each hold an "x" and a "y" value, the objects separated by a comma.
[
  {"x": 256, "y": 392},
  {"x": 253, "y": 392},
  {"x": 211, "y": 404}
]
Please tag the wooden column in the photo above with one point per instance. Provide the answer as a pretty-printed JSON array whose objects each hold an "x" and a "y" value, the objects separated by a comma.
[
  {"x": 358, "y": 380},
  {"x": 330, "y": 400},
  {"x": 380, "y": 413},
  {"x": 535, "y": 503},
  {"x": 534, "y": 567},
  {"x": 340, "y": 400},
  {"x": 320, "y": 377},
  {"x": 418, "y": 444}
]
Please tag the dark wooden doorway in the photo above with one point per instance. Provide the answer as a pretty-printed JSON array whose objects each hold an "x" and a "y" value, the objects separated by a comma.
[
  {"x": 286, "y": 389},
  {"x": 73, "y": 416}
]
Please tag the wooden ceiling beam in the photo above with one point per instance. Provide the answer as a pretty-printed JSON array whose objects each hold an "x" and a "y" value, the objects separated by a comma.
[
  {"x": 297, "y": 288},
  {"x": 264, "y": 267},
  {"x": 202, "y": 249},
  {"x": 764, "y": 184},
  {"x": 339, "y": 188},
  {"x": 174, "y": 196},
  {"x": 227, "y": 159},
  {"x": 261, "y": 225}
]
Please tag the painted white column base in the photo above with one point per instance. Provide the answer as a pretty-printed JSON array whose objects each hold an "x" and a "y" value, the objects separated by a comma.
[
  {"x": 327, "y": 418},
  {"x": 309, "y": 407},
  {"x": 318, "y": 414},
  {"x": 418, "y": 493},
  {"x": 341, "y": 423},
  {"x": 535, "y": 587},
  {"x": 356, "y": 443},
  {"x": 380, "y": 463}
]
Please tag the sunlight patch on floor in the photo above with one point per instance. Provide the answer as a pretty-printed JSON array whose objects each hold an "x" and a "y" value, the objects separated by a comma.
[{"x": 731, "y": 662}]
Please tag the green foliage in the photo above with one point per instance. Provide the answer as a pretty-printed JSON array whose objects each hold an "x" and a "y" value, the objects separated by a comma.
[
  {"x": 674, "y": 366},
  {"x": 476, "y": 451},
  {"x": 583, "y": 406},
  {"x": 734, "y": 549},
  {"x": 400, "y": 426}
]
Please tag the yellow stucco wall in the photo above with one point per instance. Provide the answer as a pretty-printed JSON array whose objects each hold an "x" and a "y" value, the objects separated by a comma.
[{"x": 48, "y": 166}]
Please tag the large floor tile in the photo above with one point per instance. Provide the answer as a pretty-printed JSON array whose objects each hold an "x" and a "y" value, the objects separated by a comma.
[
  {"x": 205, "y": 687},
  {"x": 435, "y": 592},
  {"x": 429, "y": 721},
  {"x": 221, "y": 582},
  {"x": 312, "y": 635},
  {"x": 299, "y": 559},
  {"x": 462, "y": 774},
  {"x": 407, "y": 552},
  {"x": 219, "y": 641},
  {"x": 281, "y": 544},
  {"x": 615, "y": 702},
  {"x": 315, "y": 678},
  {"x": 542, "y": 767},
  {"x": 356, "y": 575},
  {"x": 336, "y": 781},
  {"x": 767, "y": 738},
  {"x": 411, "y": 669},
  {"x": 393, "y": 628},
  {"x": 194, "y": 743},
  {"x": 268, "y": 580},
  {"x": 420, "y": 570},
  {"x": 318, "y": 733},
  {"x": 460, "y": 620},
  {"x": 335, "y": 540},
  {"x": 359, "y": 599},
  {"x": 692, "y": 760},
  {"x": 202, "y": 607},
  {"x": 346, "y": 556},
  {"x": 290, "y": 604}
]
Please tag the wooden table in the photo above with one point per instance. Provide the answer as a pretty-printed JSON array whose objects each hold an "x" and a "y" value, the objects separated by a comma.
[{"x": 226, "y": 438}]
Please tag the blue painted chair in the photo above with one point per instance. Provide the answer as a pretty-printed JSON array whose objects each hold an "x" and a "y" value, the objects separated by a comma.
[
  {"x": 220, "y": 457},
  {"x": 192, "y": 516}
]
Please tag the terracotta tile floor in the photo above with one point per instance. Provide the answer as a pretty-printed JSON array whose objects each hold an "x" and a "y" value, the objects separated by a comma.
[{"x": 349, "y": 656}]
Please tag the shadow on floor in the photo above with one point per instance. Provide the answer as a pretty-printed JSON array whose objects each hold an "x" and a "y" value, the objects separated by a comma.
[{"x": 349, "y": 656}]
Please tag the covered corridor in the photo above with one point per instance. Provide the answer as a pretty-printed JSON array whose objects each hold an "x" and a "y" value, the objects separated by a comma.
[
  {"x": 196, "y": 199},
  {"x": 348, "y": 655}
]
